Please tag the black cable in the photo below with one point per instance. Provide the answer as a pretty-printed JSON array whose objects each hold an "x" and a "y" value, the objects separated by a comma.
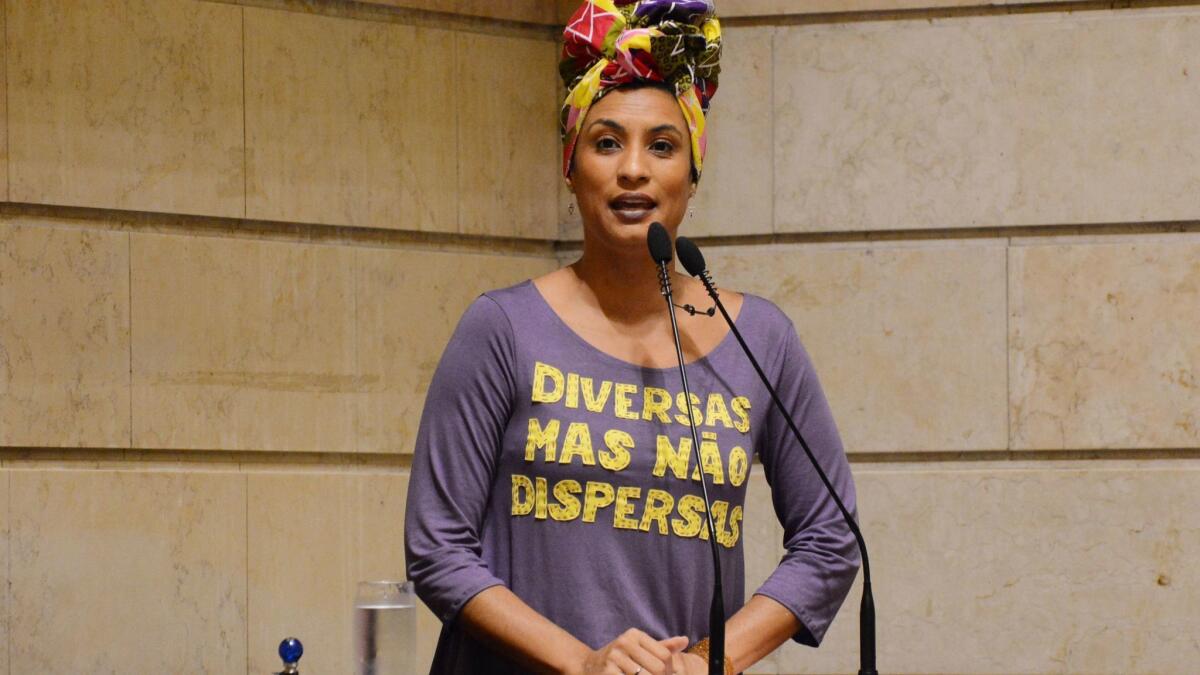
[
  {"x": 693, "y": 261},
  {"x": 691, "y": 309}
]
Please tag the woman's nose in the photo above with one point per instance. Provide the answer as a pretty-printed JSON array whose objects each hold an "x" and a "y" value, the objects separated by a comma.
[{"x": 633, "y": 167}]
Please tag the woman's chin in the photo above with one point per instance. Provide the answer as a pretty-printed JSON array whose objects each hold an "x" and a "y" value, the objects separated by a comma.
[{"x": 626, "y": 228}]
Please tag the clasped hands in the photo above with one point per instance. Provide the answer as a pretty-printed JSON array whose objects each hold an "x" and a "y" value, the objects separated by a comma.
[{"x": 636, "y": 653}]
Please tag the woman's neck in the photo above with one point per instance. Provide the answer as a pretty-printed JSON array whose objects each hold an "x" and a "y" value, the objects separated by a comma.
[{"x": 625, "y": 288}]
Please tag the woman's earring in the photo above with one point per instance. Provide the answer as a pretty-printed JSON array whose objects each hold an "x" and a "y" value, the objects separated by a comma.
[
  {"x": 691, "y": 212},
  {"x": 571, "y": 208}
]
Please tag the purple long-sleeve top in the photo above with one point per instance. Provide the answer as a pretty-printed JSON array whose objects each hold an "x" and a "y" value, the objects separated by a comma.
[{"x": 567, "y": 475}]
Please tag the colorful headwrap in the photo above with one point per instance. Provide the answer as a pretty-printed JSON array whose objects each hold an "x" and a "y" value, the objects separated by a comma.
[{"x": 608, "y": 43}]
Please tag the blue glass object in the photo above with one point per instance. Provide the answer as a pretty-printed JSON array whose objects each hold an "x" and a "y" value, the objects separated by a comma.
[{"x": 290, "y": 650}]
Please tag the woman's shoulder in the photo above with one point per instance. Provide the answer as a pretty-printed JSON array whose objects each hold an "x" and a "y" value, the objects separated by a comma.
[
  {"x": 771, "y": 333},
  {"x": 509, "y": 298},
  {"x": 763, "y": 314},
  {"x": 493, "y": 311}
]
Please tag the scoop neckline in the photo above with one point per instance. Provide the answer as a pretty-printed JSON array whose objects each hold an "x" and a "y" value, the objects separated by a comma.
[{"x": 579, "y": 339}]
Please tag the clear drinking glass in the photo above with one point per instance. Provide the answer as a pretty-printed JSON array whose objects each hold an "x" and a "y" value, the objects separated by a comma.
[{"x": 385, "y": 628}]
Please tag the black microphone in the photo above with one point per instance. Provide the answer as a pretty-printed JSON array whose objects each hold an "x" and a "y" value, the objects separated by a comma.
[
  {"x": 693, "y": 262},
  {"x": 660, "y": 251}
]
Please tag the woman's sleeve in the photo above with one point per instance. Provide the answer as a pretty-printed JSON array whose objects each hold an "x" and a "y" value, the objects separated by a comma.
[
  {"x": 821, "y": 558},
  {"x": 458, "y": 442}
]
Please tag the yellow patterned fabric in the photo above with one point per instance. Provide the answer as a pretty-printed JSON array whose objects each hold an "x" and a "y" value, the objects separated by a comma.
[{"x": 608, "y": 43}]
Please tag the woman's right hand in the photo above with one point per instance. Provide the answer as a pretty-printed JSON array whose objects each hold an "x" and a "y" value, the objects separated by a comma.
[{"x": 634, "y": 653}]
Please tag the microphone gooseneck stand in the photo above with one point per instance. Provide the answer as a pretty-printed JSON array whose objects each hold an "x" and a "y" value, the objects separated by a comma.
[
  {"x": 693, "y": 262},
  {"x": 660, "y": 250}
]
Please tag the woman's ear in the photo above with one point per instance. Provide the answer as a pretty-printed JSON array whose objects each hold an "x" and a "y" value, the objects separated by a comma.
[{"x": 571, "y": 186}]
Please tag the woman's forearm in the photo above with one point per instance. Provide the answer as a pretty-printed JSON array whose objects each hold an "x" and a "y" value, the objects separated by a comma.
[
  {"x": 502, "y": 620},
  {"x": 756, "y": 630}
]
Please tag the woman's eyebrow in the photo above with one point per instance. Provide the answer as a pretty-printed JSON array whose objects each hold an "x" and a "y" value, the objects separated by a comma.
[{"x": 612, "y": 124}]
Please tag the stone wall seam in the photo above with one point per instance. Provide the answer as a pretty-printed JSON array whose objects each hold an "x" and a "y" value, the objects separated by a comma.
[
  {"x": 201, "y": 459},
  {"x": 303, "y": 462},
  {"x": 939, "y": 458},
  {"x": 200, "y": 225},
  {"x": 1014, "y": 235},
  {"x": 88, "y": 218}
]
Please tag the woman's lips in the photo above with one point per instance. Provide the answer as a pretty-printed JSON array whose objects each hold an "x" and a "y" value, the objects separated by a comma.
[
  {"x": 632, "y": 208},
  {"x": 631, "y": 215}
]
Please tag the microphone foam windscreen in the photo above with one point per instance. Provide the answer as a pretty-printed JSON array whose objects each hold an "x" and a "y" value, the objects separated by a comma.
[
  {"x": 690, "y": 256},
  {"x": 659, "y": 242}
]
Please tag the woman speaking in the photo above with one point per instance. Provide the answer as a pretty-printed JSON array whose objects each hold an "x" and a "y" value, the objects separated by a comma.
[{"x": 554, "y": 518}]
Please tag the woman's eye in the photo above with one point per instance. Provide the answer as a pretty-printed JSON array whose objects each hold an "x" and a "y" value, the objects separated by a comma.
[
  {"x": 664, "y": 147},
  {"x": 607, "y": 143}
]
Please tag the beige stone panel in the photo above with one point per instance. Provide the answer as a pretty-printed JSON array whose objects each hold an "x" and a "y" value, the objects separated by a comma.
[
  {"x": 1104, "y": 352},
  {"x": 313, "y": 537},
  {"x": 509, "y": 161},
  {"x": 1016, "y": 568},
  {"x": 242, "y": 344},
  {"x": 127, "y": 572},
  {"x": 1017, "y": 120},
  {"x": 750, "y": 8},
  {"x": 735, "y": 192},
  {"x": 138, "y": 105},
  {"x": 528, "y": 11},
  {"x": 566, "y": 9},
  {"x": 64, "y": 336},
  {"x": 6, "y": 621},
  {"x": 409, "y": 303},
  {"x": 909, "y": 341},
  {"x": 3, "y": 104},
  {"x": 570, "y": 225},
  {"x": 1106, "y": 103},
  {"x": 350, "y": 122},
  {"x": 888, "y": 125}
]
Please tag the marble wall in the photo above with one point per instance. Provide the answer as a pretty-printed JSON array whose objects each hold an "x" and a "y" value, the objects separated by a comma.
[
  {"x": 1015, "y": 567},
  {"x": 983, "y": 227},
  {"x": 154, "y": 83},
  {"x": 234, "y": 241},
  {"x": 224, "y": 223}
]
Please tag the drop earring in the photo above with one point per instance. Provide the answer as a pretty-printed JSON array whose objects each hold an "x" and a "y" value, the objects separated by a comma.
[
  {"x": 571, "y": 208},
  {"x": 691, "y": 212}
]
